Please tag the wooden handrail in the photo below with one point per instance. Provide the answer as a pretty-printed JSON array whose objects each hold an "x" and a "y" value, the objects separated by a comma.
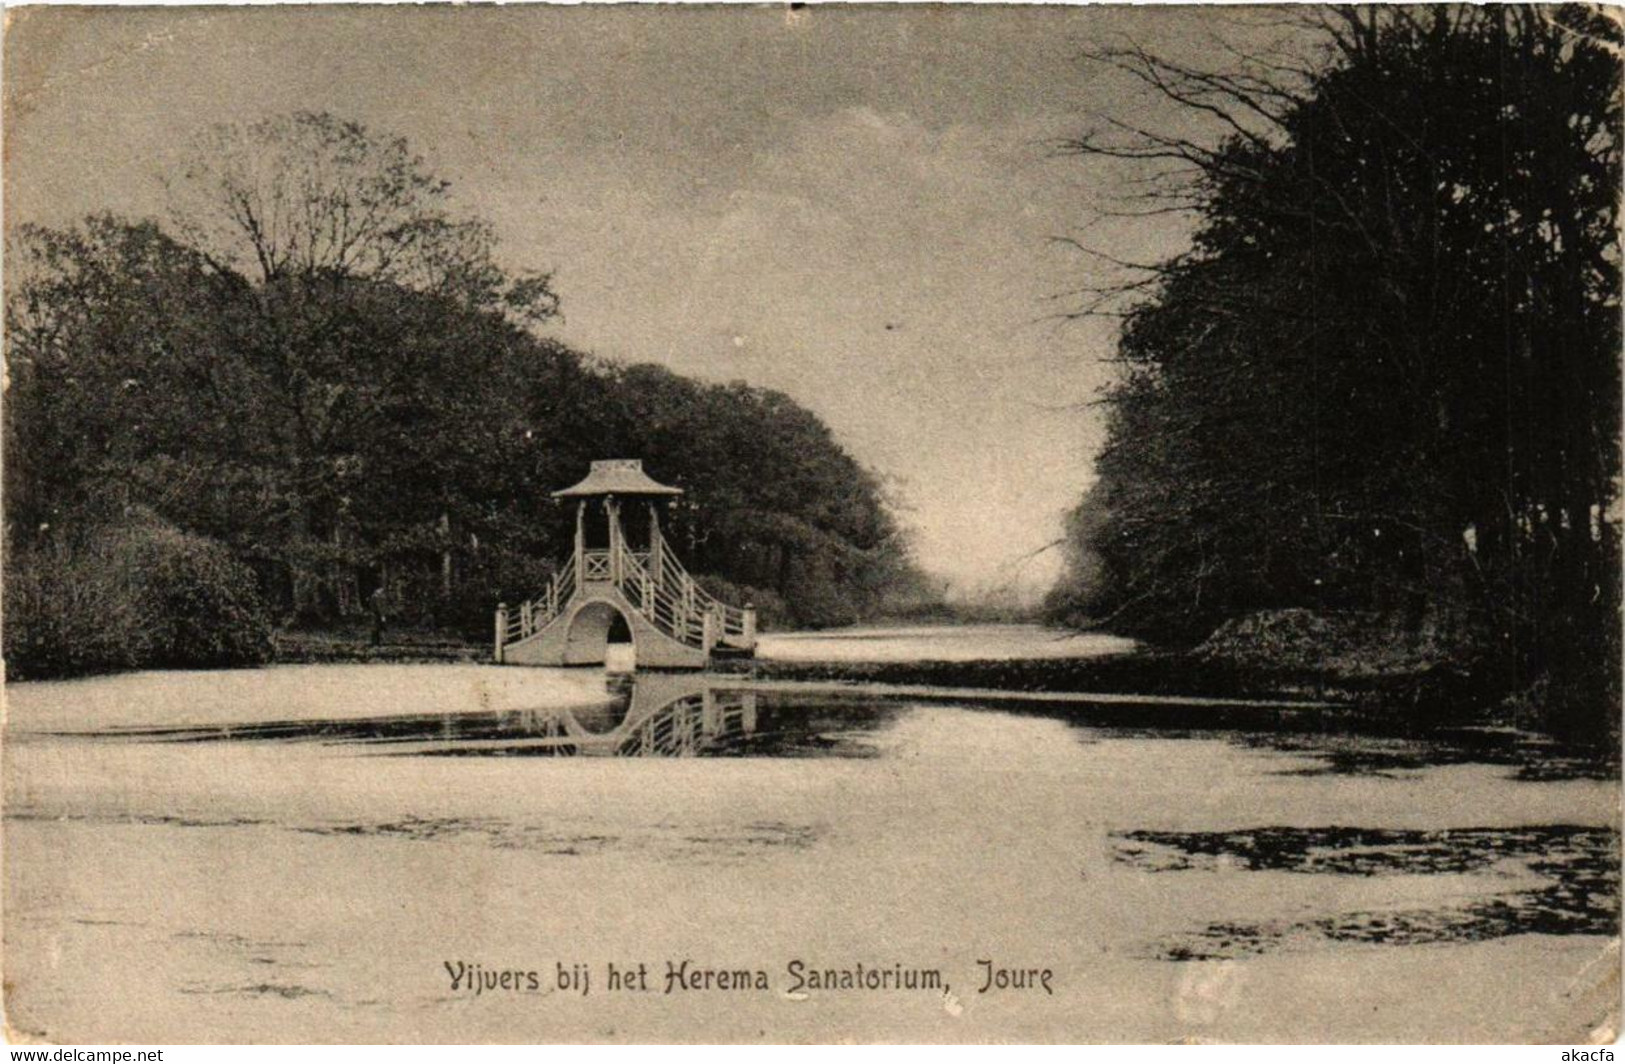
[{"x": 654, "y": 582}]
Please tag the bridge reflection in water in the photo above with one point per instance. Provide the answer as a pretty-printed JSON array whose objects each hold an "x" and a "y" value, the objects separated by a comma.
[
  {"x": 654, "y": 715},
  {"x": 649, "y": 714}
]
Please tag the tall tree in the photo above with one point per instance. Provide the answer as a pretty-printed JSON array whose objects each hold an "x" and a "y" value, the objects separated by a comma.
[
  {"x": 328, "y": 224},
  {"x": 1386, "y": 375},
  {"x": 328, "y": 372},
  {"x": 310, "y": 194}
]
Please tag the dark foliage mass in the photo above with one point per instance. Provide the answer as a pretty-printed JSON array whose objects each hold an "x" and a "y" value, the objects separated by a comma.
[
  {"x": 1385, "y": 379},
  {"x": 134, "y": 596},
  {"x": 320, "y": 368}
]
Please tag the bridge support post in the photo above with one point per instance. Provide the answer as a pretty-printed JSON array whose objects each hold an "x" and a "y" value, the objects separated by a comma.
[
  {"x": 708, "y": 631},
  {"x": 502, "y": 630},
  {"x": 657, "y": 549},
  {"x": 612, "y": 510},
  {"x": 750, "y": 625},
  {"x": 581, "y": 539},
  {"x": 710, "y": 721}
]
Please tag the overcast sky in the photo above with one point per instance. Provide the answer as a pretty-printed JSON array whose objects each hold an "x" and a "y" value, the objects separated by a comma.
[{"x": 853, "y": 206}]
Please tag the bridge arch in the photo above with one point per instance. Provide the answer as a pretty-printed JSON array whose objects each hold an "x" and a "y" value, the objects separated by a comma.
[{"x": 591, "y": 624}]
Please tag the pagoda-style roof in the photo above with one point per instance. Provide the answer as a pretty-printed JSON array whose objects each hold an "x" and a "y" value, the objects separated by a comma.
[{"x": 617, "y": 476}]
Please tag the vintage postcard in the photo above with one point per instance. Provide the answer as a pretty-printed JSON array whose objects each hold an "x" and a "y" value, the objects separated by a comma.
[{"x": 812, "y": 523}]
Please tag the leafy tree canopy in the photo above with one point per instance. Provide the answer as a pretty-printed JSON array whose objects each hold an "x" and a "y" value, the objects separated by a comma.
[
  {"x": 1386, "y": 374},
  {"x": 320, "y": 365}
]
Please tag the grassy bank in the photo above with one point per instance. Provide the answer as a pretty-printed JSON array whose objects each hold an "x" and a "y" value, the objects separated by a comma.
[
  {"x": 401, "y": 646},
  {"x": 1447, "y": 695}
]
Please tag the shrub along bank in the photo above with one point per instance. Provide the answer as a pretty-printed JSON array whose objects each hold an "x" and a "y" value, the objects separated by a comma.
[{"x": 139, "y": 596}]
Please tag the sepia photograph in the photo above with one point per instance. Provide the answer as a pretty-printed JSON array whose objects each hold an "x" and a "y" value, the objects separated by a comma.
[{"x": 811, "y": 523}]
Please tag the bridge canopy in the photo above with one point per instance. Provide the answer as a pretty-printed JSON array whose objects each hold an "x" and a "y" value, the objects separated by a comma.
[{"x": 617, "y": 476}]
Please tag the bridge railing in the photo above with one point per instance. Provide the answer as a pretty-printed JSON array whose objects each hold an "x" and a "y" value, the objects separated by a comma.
[
  {"x": 533, "y": 615},
  {"x": 732, "y": 625},
  {"x": 596, "y": 565},
  {"x": 655, "y": 583},
  {"x": 660, "y": 601}
]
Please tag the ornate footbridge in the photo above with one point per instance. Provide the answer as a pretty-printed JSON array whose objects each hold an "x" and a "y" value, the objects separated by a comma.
[{"x": 672, "y": 621}]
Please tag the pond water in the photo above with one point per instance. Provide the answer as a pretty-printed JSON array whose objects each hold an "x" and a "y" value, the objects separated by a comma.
[
  {"x": 313, "y": 853},
  {"x": 963, "y": 642}
]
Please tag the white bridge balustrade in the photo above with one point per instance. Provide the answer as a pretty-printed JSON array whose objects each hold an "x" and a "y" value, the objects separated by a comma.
[{"x": 674, "y": 622}]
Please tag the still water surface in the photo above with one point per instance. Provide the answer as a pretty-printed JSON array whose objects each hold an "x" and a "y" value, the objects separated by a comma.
[{"x": 296, "y": 854}]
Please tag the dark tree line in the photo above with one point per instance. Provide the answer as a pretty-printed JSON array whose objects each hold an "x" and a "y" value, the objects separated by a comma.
[
  {"x": 1386, "y": 376},
  {"x": 319, "y": 366}
]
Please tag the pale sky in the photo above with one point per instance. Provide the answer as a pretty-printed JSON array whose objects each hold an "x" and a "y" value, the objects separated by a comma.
[{"x": 854, "y": 206}]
